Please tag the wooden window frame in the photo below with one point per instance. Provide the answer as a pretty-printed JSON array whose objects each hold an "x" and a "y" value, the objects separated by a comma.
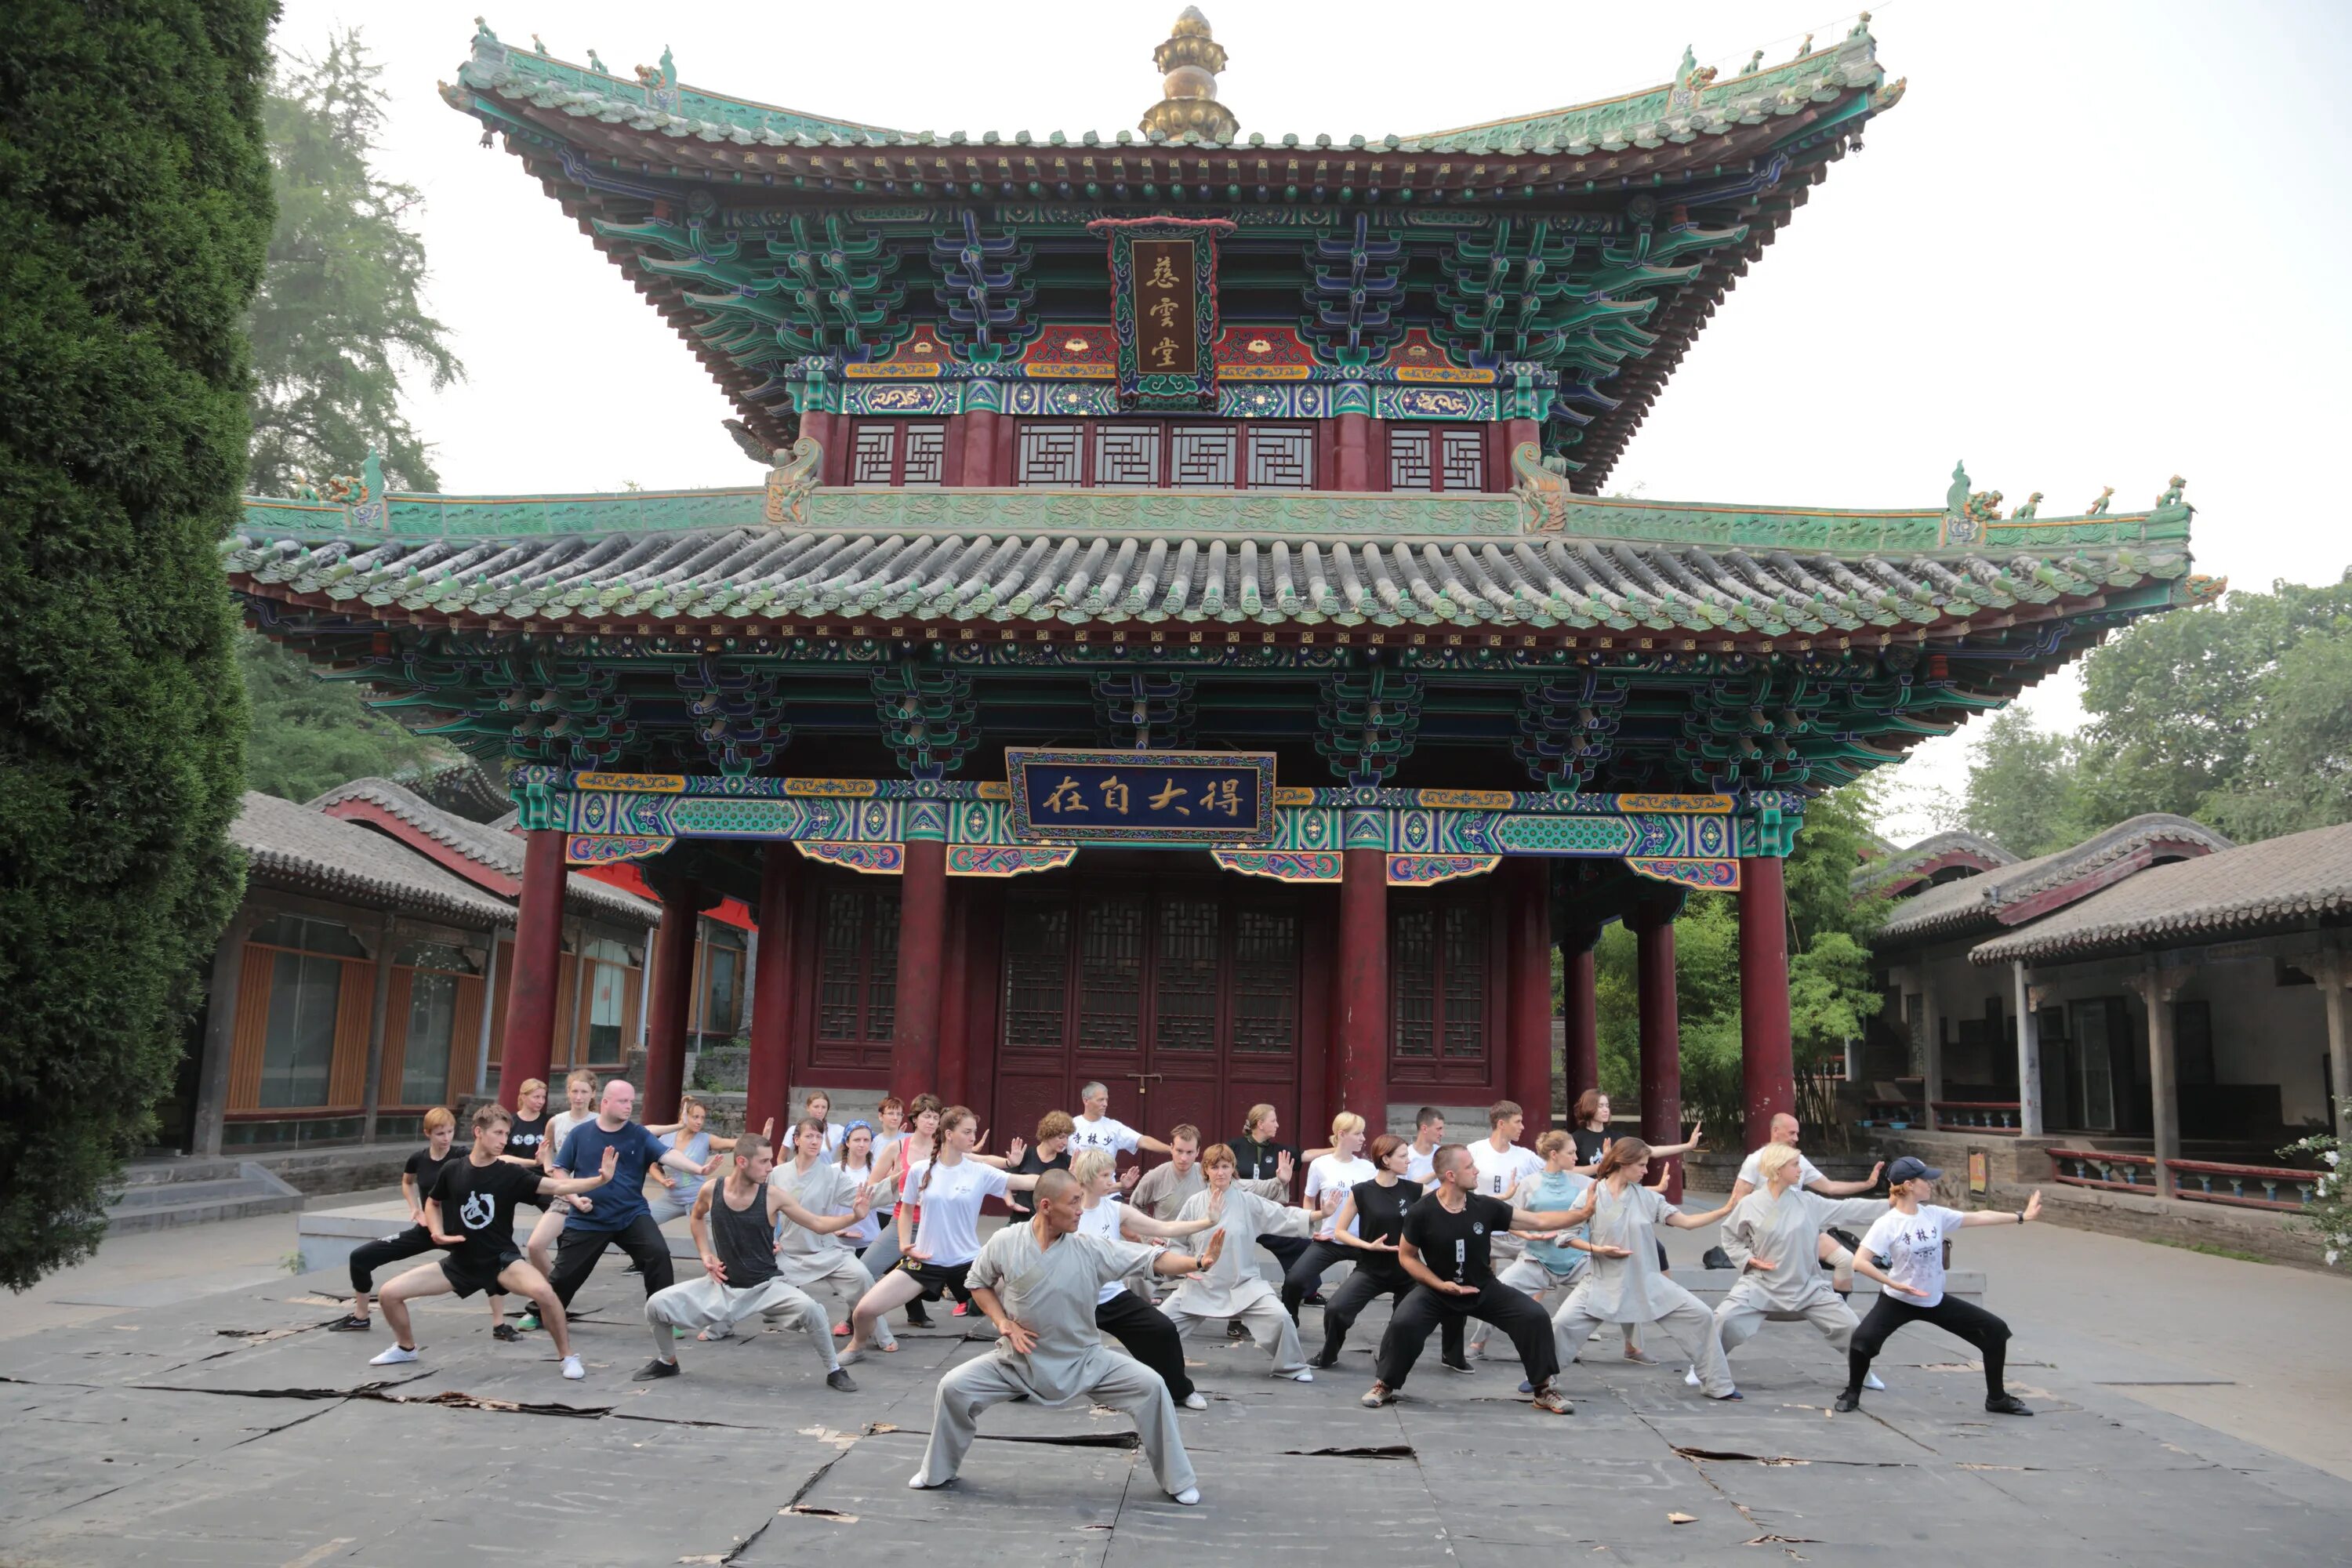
[
  {"x": 1437, "y": 432},
  {"x": 1090, "y": 428},
  {"x": 1442, "y": 1066},
  {"x": 898, "y": 429}
]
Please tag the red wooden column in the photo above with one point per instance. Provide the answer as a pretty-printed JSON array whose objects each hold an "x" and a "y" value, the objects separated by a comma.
[
  {"x": 671, "y": 985},
  {"x": 1661, "y": 1029},
  {"x": 1355, "y": 440},
  {"x": 922, "y": 939},
  {"x": 529, "y": 1042},
  {"x": 955, "y": 1004},
  {"x": 1516, "y": 433},
  {"x": 1767, "y": 1079},
  {"x": 1362, "y": 1031},
  {"x": 1581, "y": 1010},
  {"x": 979, "y": 447},
  {"x": 768, "y": 1089},
  {"x": 1526, "y": 1073}
]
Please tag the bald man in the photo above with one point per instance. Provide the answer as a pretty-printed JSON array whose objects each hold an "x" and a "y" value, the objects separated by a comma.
[{"x": 617, "y": 1214}]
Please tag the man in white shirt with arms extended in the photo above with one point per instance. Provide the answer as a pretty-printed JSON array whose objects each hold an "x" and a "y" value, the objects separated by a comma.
[{"x": 1094, "y": 1128}]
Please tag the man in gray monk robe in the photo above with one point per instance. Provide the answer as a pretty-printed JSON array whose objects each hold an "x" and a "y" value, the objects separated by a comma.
[{"x": 1038, "y": 1283}]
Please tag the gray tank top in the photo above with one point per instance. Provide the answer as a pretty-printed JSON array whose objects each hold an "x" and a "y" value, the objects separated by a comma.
[{"x": 742, "y": 1238}]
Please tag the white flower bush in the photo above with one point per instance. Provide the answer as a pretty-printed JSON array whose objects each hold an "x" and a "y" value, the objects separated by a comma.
[{"x": 2329, "y": 1214}]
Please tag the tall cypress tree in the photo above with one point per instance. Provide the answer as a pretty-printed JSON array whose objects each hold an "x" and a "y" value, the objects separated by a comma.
[{"x": 134, "y": 213}]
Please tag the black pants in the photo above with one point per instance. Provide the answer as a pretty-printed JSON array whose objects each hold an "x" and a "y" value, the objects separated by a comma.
[
  {"x": 1513, "y": 1312},
  {"x": 577, "y": 1252},
  {"x": 1974, "y": 1324},
  {"x": 1366, "y": 1286},
  {"x": 1303, "y": 1276},
  {"x": 1147, "y": 1334},
  {"x": 1285, "y": 1249},
  {"x": 371, "y": 1255}
]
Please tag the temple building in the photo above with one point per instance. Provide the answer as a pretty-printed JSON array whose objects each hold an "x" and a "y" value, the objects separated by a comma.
[{"x": 1175, "y": 633}]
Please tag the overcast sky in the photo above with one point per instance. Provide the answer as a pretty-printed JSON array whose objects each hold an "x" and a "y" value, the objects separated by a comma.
[{"x": 2095, "y": 244}]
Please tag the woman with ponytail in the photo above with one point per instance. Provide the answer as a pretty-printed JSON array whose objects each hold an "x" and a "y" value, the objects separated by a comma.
[{"x": 948, "y": 1189}]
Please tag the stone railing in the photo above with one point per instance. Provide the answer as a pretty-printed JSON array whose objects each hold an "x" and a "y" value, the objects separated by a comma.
[
  {"x": 1996, "y": 1116},
  {"x": 2097, "y": 1168},
  {"x": 2202, "y": 1181}
]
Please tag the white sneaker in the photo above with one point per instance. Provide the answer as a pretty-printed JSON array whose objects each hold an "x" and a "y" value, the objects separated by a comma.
[
  {"x": 1690, "y": 1378},
  {"x": 916, "y": 1483},
  {"x": 392, "y": 1357},
  {"x": 1304, "y": 1375},
  {"x": 572, "y": 1369},
  {"x": 1870, "y": 1381},
  {"x": 1189, "y": 1496},
  {"x": 1193, "y": 1401}
]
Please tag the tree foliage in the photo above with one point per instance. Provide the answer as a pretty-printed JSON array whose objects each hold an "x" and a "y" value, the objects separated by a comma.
[
  {"x": 308, "y": 735},
  {"x": 134, "y": 213},
  {"x": 340, "y": 313},
  {"x": 2234, "y": 713}
]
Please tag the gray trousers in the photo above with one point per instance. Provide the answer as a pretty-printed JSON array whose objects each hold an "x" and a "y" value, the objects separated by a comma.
[
  {"x": 704, "y": 1303},
  {"x": 1690, "y": 1325},
  {"x": 1268, "y": 1324},
  {"x": 1735, "y": 1321},
  {"x": 1129, "y": 1385},
  {"x": 1534, "y": 1276},
  {"x": 839, "y": 1271}
]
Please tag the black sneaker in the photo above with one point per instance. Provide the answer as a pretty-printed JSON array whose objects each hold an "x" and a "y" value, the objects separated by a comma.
[
  {"x": 1847, "y": 1403},
  {"x": 655, "y": 1368},
  {"x": 632, "y": 1269},
  {"x": 1462, "y": 1366},
  {"x": 505, "y": 1332},
  {"x": 2008, "y": 1405},
  {"x": 1235, "y": 1331},
  {"x": 348, "y": 1325},
  {"x": 839, "y": 1380},
  {"x": 1312, "y": 1299},
  {"x": 1715, "y": 1257},
  {"x": 916, "y": 1317},
  {"x": 1323, "y": 1361}
]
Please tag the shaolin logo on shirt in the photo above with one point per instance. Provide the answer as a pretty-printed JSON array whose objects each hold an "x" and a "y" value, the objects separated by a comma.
[
  {"x": 478, "y": 1211},
  {"x": 1477, "y": 1228}
]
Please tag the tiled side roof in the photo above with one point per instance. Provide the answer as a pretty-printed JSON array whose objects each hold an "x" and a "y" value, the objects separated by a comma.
[
  {"x": 1524, "y": 582},
  {"x": 485, "y": 846},
  {"x": 1923, "y": 859},
  {"x": 2301, "y": 880},
  {"x": 293, "y": 847},
  {"x": 2024, "y": 889}
]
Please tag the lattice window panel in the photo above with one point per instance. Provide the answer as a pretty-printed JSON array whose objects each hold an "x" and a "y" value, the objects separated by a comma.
[
  {"x": 1409, "y": 459},
  {"x": 857, "y": 965},
  {"x": 927, "y": 455},
  {"x": 1462, "y": 959},
  {"x": 1110, "y": 975},
  {"x": 871, "y": 453},
  {"x": 1202, "y": 457},
  {"x": 1036, "y": 975},
  {"x": 1265, "y": 983},
  {"x": 882, "y": 967},
  {"x": 1051, "y": 455},
  {"x": 1184, "y": 977},
  {"x": 1127, "y": 455},
  {"x": 1463, "y": 464},
  {"x": 1413, "y": 982},
  {"x": 1281, "y": 458}
]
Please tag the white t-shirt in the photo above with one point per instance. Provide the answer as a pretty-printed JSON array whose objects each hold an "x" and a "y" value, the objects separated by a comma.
[
  {"x": 559, "y": 1127},
  {"x": 1103, "y": 1220},
  {"x": 1501, "y": 1171},
  {"x": 1807, "y": 1172},
  {"x": 1111, "y": 1135},
  {"x": 1913, "y": 1247},
  {"x": 1420, "y": 1167},
  {"x": 1332, "y": 1173},
  {"x": 949, "y": 1228}
]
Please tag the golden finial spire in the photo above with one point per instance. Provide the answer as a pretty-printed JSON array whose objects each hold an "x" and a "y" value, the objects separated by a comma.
[{"x": 1189, "y": 62}]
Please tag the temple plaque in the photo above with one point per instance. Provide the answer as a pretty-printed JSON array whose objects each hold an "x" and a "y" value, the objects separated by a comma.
[{"x": 1144, "y": 798}]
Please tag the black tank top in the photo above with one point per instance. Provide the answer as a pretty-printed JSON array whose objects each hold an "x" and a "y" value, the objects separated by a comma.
[
  {"x": 1379, "y": 1216},
  {"x": 745, "y": 1243}
]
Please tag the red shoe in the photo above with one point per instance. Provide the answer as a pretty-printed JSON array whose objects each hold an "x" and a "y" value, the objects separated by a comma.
[{"x": 841, "y": 1330}]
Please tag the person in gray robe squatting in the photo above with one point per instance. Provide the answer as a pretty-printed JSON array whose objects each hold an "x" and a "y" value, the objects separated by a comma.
[
  {"x": 1778, "y": 1230},
  {"x": 1038, "y": 1283}
]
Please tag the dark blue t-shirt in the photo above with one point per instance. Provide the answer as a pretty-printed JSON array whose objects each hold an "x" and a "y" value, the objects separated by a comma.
[{"x": 620, "y": 1201}]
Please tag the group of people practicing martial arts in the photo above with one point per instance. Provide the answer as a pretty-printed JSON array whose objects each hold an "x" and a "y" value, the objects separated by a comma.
[{"x": 1464, "y": 1240}]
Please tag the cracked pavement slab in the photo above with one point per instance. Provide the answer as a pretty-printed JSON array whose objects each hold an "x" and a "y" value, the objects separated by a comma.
[{"x": 235, "y": 1429}]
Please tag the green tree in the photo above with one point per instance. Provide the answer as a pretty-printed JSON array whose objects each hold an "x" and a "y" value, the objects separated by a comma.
[
  {"x": 309, "y": 735},
  {"x": 134, "y": 214},
  {"x": 340, "y": 313},
  {"x": 2023, "y": 790},
  {"x": 2298, "y": 770}
]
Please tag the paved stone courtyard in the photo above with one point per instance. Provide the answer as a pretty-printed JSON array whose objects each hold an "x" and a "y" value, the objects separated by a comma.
[{"x": 232, "y": 1429}]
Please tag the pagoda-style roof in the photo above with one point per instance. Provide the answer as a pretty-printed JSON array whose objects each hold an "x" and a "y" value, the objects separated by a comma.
[
  {"x": 306, "y": 851},
  {"x": 2027, "y": 890},
  {"x": 1575, "y": 253}
]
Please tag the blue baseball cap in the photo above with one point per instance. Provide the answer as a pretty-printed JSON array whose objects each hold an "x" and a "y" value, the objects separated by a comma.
[{"x": 1910, "y": 1169}]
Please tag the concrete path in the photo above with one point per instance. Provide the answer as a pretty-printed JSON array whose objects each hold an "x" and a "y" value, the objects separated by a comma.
[{"x": 228, "y": 1428}]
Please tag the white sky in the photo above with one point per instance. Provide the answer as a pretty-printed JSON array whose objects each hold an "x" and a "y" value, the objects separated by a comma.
[{"x": 2095, "y": 244}]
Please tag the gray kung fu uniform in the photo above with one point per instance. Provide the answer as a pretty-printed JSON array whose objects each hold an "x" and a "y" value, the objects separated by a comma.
[
  {"x": 805, "y": 1259},
  {"x": 739, "y": 1237},
  {"x": 1233, "y": 1288},
  {"x": 1050, "y": 1291},
  {"x": 1633, "y": 1290},
  {"x": 1787, "y": 1232}
]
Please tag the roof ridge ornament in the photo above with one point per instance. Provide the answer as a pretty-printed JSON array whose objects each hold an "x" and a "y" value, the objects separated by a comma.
[{"x": 1189, "y": 61}]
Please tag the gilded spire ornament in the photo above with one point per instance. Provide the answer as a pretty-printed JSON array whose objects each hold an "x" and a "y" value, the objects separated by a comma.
[{"x": 1189, "y": 63}]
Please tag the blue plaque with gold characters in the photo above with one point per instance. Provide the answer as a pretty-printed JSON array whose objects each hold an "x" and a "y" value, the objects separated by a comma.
[{"x": 1169, "y": 799}]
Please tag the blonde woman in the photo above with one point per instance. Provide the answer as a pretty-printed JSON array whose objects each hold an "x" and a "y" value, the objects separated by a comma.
[
  {"x": 1329, "y": 1180},
  {"x": 1121, "y": 1311},
  {"x": 1778, "y": 1229},
  {"x": 579, "y": 1096},
  {"x": 949, "y": 1188}
]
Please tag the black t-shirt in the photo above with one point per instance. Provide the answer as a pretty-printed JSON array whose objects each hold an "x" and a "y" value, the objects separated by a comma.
[
  {"x": 1455, "y": 1246},
  {"x": 523, "y": 1137},
  {"x": 1030, "y": 1165},
  {"x": 1591, "y": 1145},
  {"x": 478, "y": 1202},
  {"x": 425, "y": 1169},
  {"x": 1379, "y": 1216},
  {"x": 1257, "y": 1162}
]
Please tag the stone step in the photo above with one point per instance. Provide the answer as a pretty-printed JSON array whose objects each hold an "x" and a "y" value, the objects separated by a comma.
[
  {"x": 172, "y": 1171},
  {"x": 208, "y": 1190}
]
